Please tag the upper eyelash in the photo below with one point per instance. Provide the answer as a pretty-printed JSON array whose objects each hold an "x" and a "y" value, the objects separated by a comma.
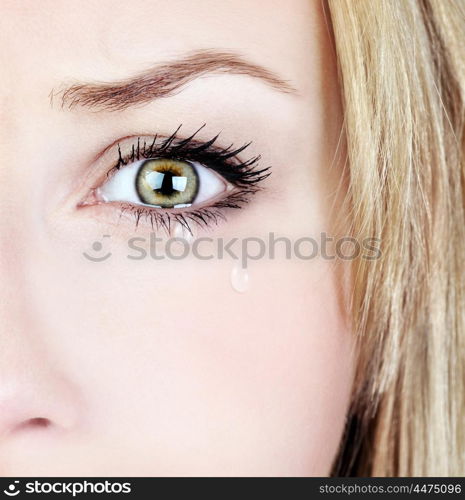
[{"x": 225, "y": 161}]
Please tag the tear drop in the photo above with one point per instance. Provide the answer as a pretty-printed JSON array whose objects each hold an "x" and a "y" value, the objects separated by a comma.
[
  {"x": 181, "y": 231},
  {"x": 239, "y": 278}
]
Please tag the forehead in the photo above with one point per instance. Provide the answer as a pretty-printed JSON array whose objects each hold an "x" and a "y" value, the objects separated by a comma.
[{"x": 108, "y": 38}]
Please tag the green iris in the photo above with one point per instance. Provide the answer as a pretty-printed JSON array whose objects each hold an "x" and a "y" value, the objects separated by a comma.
[{"x": 167, "y": 183}]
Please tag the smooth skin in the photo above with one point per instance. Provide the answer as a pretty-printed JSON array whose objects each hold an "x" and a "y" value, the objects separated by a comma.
[{"x": 153, "y": 367}]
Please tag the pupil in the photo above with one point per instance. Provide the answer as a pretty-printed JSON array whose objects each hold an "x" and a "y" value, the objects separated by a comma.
[{"x": 166, "y": 187}]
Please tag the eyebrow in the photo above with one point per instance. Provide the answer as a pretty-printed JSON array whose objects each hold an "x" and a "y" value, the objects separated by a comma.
[{"x": 165, "y": 80}]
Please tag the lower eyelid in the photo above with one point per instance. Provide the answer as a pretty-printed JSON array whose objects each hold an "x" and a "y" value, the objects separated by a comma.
[
  {"x": 220, "y": 201},
  {"x": 192, "y": 219}
]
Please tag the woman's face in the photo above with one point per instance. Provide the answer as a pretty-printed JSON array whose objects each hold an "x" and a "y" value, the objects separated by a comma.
[{"x": 114, "y": 360}]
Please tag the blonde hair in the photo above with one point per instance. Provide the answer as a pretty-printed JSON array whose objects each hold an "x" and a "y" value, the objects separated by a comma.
[{"x": 402, "y": 74}]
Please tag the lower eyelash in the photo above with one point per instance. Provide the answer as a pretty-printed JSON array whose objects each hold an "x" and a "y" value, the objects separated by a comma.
[{"x": 203, "y": 217}]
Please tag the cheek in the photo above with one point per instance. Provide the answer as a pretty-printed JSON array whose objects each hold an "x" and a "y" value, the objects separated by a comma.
[{"x": 200, "y": 379}]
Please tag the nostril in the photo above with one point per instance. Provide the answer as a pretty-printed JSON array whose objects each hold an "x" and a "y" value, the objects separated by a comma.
[
  {"x": 39, "y": 422},
  {"x": 34, "y": 423}
]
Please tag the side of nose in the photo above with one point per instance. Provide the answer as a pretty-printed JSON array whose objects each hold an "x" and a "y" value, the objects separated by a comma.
[
  {"x": 34, "y": 395},
  {"x": 37, "y": 404}
]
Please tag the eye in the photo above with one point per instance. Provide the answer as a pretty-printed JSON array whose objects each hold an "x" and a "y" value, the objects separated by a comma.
[
  {"x": 164, "y": 183},
  {"x": 163, "y": 180}
]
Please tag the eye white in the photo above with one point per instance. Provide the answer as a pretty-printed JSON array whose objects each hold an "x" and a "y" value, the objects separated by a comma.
[{"x": 122, "y": 185}]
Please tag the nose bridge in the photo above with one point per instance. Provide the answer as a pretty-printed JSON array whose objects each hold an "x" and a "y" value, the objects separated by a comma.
[
  {"x": 13, "y": 283},
  {"x": 13, "y": 205},
  {"x": 20, "y": 183},
  {"x": 14, "y": 243}
]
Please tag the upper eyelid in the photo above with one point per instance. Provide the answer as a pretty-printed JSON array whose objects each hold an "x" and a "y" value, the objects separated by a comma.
[
  {"x": 228, "y": 163},
  {"x": 132, "y": 137},
  {"x": 173, "y": 143},
  {"x": 212, "y": 149}
]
